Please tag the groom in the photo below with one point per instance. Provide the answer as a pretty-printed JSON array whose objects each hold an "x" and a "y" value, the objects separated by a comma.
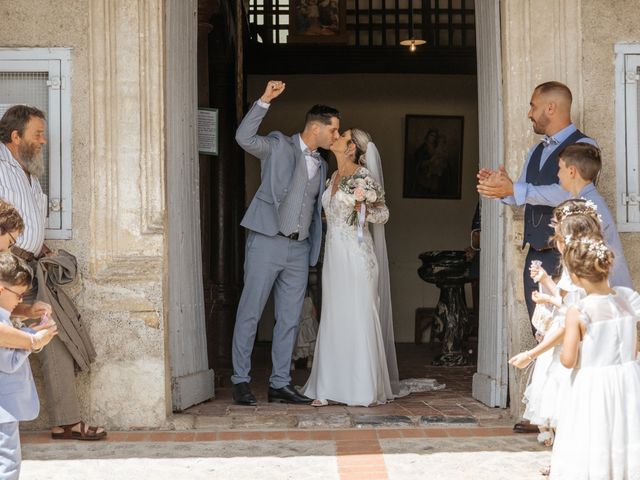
[{"x": 285, "y": 232}]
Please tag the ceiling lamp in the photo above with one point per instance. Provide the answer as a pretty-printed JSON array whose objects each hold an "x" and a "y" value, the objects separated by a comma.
[{"x": 412, "y": 42}]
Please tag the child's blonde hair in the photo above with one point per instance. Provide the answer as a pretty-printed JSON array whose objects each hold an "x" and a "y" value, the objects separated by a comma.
[
  {"x": 14, "y": 271},
  {"x": 575, "y": 217},
  {"x": 10, "y": 219},
  {"x": 588, "y": 257}
]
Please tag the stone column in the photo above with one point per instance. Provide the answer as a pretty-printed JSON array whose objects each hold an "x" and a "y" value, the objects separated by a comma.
[
  {"x": 541, "y": 41},
  {"x": 122, "y": 194},
  {"x": 490, "y": 381}
]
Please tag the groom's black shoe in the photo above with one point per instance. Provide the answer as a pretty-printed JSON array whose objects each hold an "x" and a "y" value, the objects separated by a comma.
[
  {"x": 242, "y": 394},
  {"x": 287, "y": 394}
]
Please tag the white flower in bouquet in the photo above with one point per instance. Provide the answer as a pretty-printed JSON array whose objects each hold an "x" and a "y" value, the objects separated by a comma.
[{"x": 371, "y": 196}]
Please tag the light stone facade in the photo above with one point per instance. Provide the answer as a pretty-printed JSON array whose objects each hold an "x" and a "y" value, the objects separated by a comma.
[
  {"x": 119, "y": 180},
  {"x": 118, "y": 194}
]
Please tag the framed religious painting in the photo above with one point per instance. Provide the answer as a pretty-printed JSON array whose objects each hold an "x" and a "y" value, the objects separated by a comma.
[
  {"x": 433, "y": 156},
  {"x": 317, "y": 21}
]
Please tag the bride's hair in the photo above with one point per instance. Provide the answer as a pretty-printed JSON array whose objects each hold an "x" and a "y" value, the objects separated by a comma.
[{"x": 360, "y": 139}]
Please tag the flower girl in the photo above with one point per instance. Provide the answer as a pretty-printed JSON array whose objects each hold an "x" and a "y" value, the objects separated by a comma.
[
  {"x": 599, "y": 424},
  {"x": 542, "y": 396}
]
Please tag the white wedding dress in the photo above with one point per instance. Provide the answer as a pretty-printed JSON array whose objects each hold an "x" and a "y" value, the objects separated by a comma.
[{"x": 350, "y": 363}]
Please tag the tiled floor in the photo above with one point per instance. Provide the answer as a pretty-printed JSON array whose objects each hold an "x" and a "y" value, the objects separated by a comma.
[{"x": 451, "y": 405}]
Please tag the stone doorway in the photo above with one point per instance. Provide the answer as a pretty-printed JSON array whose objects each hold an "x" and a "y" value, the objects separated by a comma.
[{"x": 222, "y": 180}]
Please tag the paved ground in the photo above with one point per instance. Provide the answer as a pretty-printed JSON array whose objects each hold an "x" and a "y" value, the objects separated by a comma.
[
  {"x": 443, "y": 434},
  {"x": 371, "y": 454}
]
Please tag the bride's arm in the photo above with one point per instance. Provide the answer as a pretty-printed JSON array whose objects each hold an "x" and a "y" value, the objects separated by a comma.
[{"x": 377, "y": 213}]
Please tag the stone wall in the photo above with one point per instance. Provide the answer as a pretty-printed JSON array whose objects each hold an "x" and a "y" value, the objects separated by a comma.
[
  {"x": 118, "y": 194},
  {"x": 602, "y": 28}
]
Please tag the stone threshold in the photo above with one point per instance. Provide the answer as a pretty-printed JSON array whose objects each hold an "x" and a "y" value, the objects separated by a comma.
[
  {"x": 315, "y": 420},
  {"x": 356, "y": 434}
]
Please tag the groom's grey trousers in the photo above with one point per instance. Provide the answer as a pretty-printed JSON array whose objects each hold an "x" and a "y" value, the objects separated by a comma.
[{"x": 282, "y": 264}]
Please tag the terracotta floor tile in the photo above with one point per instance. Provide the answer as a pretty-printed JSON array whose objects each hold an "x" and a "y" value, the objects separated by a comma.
[
  {"x": 321, "y": 435},
  {"x": 229, "y": 435},
  {"x": 298, "y": 435},
  {"x": 413, "y": 433},
  {"x": 502, "y": 431},
  {"x": 365, "y": 476},
  {"x": 161, "y": 436},
  {"x": 389, "y": 433},
  {"x": 355, "y": 434},
  {"x": 279, "y": 435},
  {"x": 185, "y": 436},
  {"x": 36, "y": 437},
  {"x": 206, "y": 436},
  {"x": 435, "y": 432},
  {"x": 137, "y": 436},
  {"x": 360, "y": 459},
  {"x": 381, "y": 468},
  {"x": 252, "y": 435},
  {"x": 462, "y": 432},
  {"x": 358, "y": 448},
  {"x": 117, "y": 436}
]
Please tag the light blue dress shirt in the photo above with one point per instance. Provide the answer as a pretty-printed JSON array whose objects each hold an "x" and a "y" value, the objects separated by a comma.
[
  {"x": 619, "y": 275},
  {"x": 550, "y": 195}
]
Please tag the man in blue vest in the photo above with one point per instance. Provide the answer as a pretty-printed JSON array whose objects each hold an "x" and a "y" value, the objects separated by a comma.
[
  {"x": 538, "y": 187},
  {"x": 285, "y": 234}
]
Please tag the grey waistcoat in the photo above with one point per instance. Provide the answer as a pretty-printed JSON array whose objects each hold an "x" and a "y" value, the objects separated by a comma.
[{"x": 296, "y": 211}]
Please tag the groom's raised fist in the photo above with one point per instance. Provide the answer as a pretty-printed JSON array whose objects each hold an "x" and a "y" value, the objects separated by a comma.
[{"x": 274, "y": 89}]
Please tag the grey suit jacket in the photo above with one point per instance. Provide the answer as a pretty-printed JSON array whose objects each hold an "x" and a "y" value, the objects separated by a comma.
[
  {"x": 18, "y": 395},
  {"x": 278, "y": 154}
]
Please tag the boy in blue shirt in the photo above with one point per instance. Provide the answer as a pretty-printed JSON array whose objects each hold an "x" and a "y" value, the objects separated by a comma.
[
  {"x": 18, "y": 395},
  {"x": 580, "y": 165}
]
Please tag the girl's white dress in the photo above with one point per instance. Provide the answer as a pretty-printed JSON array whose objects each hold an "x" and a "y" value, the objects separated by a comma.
[
  {"x": 598, "y": 436},
  {"x": 543, "y": 396},
  {"x": 349, "y": 365}
]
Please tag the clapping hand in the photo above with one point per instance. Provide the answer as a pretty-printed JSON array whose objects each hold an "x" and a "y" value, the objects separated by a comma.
[
  {"x": 494, "y": 184},
  {"x": 536, "y": 271},
  {"x": 274, "y": 89}
]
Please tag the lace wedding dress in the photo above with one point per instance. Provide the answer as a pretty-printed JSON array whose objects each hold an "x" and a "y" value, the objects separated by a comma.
[{"x": 350, "y": 364}]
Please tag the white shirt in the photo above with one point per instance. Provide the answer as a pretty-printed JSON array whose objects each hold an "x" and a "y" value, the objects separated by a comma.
[
  {"x": 27, "y": 197},
  {"x": 312, "y": 163}
]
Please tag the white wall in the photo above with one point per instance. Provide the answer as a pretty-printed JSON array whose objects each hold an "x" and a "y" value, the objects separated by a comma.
[{"x": 378, "y": 104}]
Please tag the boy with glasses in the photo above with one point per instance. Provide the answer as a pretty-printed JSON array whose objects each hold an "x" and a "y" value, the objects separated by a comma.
[{"x": 18, "y": 395}]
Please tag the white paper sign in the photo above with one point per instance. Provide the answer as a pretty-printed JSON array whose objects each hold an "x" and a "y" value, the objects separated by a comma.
[{"x": 208, "y": 131}]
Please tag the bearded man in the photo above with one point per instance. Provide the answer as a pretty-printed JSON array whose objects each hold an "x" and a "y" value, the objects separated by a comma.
[{"x": 22, "y": 135}]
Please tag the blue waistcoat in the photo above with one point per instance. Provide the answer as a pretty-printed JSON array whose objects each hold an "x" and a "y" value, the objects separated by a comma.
[{"x": 537, "y": 218}]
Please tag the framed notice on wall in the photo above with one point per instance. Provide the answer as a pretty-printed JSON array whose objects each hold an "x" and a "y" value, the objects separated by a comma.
[{"x": 208, "y": 131}]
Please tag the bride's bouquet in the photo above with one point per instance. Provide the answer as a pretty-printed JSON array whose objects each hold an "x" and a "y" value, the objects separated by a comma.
[{"x": 360, "y": 188}]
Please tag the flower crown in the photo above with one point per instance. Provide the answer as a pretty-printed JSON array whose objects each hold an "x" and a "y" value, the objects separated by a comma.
[
  {"x": 588, "y": 208},
  {"x": 597, "y": 246}
]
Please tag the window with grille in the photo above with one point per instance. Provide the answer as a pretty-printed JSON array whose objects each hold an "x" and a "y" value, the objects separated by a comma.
[
  {"x": 371, "y": 23},
  {"x": 40, "y": 77}
]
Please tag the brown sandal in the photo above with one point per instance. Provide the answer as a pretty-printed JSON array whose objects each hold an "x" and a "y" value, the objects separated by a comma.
[{"x": 85, "y": 433}]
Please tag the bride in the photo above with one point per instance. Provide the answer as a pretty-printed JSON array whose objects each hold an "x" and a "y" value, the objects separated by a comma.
[{"x": 355, "y": 359}]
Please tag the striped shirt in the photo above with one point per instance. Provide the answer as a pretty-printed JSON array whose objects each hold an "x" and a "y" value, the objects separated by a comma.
[{"x": 28, "y": 199}]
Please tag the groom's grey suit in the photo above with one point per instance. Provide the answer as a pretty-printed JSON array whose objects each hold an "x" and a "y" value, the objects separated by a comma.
[{"x": 287, "y": 202}]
